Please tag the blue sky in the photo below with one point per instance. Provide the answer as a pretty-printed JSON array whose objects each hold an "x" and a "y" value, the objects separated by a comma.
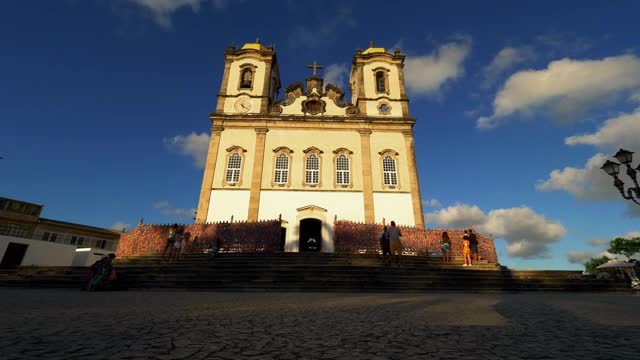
[{"x": 103, "y": 106}]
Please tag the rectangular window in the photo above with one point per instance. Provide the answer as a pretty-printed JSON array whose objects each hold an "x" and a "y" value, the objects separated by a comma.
[
  {"x": 53, "y": 237},
  {"x": 342, "y": 170},
  {"x": 103, "y": 244},
  {"x": 80, "y": 241},
  {"x": 281, "y": 175},
  {"x": 74, "y": 240},
  {"x": 45, "y": 236},
  {"x": 312, "y": 173}
]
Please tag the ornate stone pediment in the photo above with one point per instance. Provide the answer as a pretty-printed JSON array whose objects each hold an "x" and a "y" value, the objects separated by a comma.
[
  {"x": 293, "y": 91},
  {"x": 314, "y": 105}
]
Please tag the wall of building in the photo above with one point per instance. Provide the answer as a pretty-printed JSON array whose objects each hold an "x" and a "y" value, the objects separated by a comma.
[
  {"x": 394, "y": 207},
  {"x": 245, "y": 138},
  {"x": 346, "y": 205},
  {"x": 327, "y": 141},
  {"x": 41, "y": 253},
  {"x": 233, "y": 86},
  {"x": 395, "y": 141},
  {"x": 88, "y": 256},
  {"x": 370, "y": 89},
  {"x": 225, "y": 204}
]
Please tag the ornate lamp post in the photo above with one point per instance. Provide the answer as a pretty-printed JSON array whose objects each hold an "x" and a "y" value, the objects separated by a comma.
[{"x": 613, "y": 168}]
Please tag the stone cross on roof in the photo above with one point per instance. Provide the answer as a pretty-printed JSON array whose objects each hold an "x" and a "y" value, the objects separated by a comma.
[{"x": 315, "y": 66}]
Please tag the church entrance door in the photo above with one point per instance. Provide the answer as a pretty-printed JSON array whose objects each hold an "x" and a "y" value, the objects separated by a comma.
[{"x": 310, "y": 235}]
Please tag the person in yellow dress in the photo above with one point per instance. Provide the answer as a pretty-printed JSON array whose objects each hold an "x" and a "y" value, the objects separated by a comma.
[{"x": 466, "y": 249}]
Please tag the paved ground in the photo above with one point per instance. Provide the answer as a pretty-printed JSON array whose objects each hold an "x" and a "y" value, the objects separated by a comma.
[{"x": 66, "y": 324}]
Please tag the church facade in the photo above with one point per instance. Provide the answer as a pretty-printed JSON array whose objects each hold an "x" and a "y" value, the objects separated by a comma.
[{"x": 311, "y": 157}]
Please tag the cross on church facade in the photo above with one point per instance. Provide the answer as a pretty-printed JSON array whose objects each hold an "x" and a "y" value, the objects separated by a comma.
[{"x": 315, "y": 66}]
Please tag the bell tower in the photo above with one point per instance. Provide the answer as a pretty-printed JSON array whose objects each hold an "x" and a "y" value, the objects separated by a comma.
[
  {"x": 251, "y": 80},
  {"x": 377, "y": 83}
]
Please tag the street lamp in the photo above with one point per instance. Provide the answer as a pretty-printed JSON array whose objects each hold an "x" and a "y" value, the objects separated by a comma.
[{"x": 613, "y": 168}]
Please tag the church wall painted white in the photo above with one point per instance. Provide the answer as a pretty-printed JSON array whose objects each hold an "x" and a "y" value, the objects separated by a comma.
[{"x": 289, "y": 148}]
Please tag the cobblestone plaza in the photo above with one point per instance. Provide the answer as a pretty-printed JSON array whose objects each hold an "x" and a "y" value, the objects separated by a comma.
[{"x": 67, "y": 324}]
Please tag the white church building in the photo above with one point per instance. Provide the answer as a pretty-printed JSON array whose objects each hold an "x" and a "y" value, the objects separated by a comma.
[{"x": 312, "y": 156}]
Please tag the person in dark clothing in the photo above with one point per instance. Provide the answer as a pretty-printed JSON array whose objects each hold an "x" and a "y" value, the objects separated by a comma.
[
  {"x": 169, "y": 247},
  {"x": 473, "y": 244},
  {"x": 102, "y": 273},
  {"x": 384, "y": 244}
]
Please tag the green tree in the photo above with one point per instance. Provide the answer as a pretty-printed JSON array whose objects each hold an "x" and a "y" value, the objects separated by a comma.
[
  {"x": 591, "y": 265},
  {"x": 626, "y": 247}
]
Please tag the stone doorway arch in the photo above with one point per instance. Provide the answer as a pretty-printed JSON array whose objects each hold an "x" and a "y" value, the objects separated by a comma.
[{"x": 313, "y": 231}]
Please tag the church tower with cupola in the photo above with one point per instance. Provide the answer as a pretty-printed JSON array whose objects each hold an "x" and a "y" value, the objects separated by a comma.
[{"x": 310, "y": 156}]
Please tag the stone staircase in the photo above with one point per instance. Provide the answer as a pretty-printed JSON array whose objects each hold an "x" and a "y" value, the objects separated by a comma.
[{"x": 312, "y": 272}]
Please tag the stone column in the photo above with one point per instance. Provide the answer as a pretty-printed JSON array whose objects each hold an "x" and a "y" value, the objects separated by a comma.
[
  {"x": 416, "y": 199},
  {"x": 223, "y": 88},
  {"x": 256, "y": 175},
  {"x": 367, "y": 179},
  {"x": 209, "y": 169},
  {"x": 264, "y": 105}
]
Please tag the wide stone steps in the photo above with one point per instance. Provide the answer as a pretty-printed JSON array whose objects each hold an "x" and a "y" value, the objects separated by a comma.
[{"x": 312, "y": 272}]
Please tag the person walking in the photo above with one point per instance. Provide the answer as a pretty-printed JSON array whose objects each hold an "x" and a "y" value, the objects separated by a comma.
[
  {"x": 384, "y": 244},
  {"x": 473, "y": 244},
  {"x": 179, "y": 242},
  {"x": 169, "y": 247},
  {"x": 466, "y": 249},
  {"x": 394, "y": 234},
  {"x": 445, "y": 244}
]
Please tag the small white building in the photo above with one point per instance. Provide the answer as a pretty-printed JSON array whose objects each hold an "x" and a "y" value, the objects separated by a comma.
[
  {"x": 311, "y": 156},
  {"x": 26, "y": 239}
]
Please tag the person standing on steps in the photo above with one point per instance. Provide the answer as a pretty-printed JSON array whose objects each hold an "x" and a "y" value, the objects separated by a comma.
[
  {"x": 178, "y": 242},
  {"x": 473, "y": 244},
  {"x": 466, "y": 249},
  {"x": 386, "y": 247},
  {"x": 445, "y": 243},
  {"x": 169, "y": 247},
  {"x": 394, "y": 234}
]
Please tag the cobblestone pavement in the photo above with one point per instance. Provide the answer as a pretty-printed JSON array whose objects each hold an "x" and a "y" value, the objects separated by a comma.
[{"x": 66, "y": 324}]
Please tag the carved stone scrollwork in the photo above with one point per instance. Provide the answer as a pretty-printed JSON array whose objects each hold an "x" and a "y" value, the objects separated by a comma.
[
  {"x": 352, "y": 110},
  {"x": 314, "y": 106},
  {"x": 293, "y": 91},
  {"x": 336, "y": 94},
  {"x": 276, "y": 108}
]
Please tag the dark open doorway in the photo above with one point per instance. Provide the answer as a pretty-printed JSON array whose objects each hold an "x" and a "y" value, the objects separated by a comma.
[
  {"x": 13, "y": 256},
  {"x": 310, "y": 235},
  {"x": 283, "y": 237}
]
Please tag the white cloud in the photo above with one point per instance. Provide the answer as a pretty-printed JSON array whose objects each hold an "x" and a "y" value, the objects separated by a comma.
[
  {"x": 119, "y": 225},
  {"x": 580, "y": 257},
  {"x": 622, "y": 131},
  {"x": 426, "y": 74},
  {"x": 505, "y": 60},
  {"x": 631, "y": 235},
  {"x": 587, "y": 183},
  {"x": 590, "y": 182},
  {"x": 162, "y": 10},
  {"x": 598, "y": 242},
  {"x": 195, "y": 145},
  {"x": 567, "y": 86},
  {"x": 460, "y": 215},
  {"x": 431, "y": 203},
  {"x": 175, "y": 213},
  {"x": 336, "y": 74},
  {"x": 526, "y": 232}
]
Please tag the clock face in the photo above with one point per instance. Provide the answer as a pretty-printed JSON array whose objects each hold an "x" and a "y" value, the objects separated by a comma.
[{"x": 243, "y": 105}]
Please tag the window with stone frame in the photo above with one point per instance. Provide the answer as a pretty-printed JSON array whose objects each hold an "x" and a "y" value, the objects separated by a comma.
[
  {"x": 281, "y": 175},
  {"x": 389, "y": 171},
  {"x": 234, "y": 166},
  {"x": 381, "y": 82},
  {"x": 312, "y": 170},
  {"x": 246, "y": 78},
  {"x": 343, "y": 172}
]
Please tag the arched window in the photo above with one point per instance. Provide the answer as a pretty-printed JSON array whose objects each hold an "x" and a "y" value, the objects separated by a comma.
[
  {"x": 312, "y": 172},
  {"x": 282, "y": 169},
  {"x": 246, "y": 78},
  {"x": 380, "y": 82},
  {"x": 342, "y": 170},
  {"x": 389, "y": 174},
  {"x": 234, "y": 164}
]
